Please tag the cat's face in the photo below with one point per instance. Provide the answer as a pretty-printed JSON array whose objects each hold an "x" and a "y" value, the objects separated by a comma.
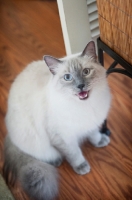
[{"x": 77, "y": 76}]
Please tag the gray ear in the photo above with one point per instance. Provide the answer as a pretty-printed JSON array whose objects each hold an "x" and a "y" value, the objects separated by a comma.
[
  {"x": 52, "y": 63},
  {"x": 90, "y": 50}
]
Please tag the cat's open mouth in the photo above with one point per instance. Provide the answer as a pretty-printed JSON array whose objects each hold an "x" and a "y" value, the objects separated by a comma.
[{"x": 83, "y": 95}]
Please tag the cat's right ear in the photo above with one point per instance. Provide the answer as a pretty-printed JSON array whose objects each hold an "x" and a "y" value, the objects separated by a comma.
[
  {"x": 52, "y": 63},
  {"x": 90, "y": 50}
]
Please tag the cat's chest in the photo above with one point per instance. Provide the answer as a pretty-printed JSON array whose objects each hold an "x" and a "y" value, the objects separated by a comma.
[{"x": 74, "y": 117}]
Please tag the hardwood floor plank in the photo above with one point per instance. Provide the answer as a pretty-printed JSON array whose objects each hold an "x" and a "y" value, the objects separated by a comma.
[
  {"x": 21, "y": 26},
  {"x": 101, "y": 179}
]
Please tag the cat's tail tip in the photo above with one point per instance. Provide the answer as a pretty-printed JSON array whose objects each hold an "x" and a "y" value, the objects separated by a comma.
[{"x": 39, "y": 181}]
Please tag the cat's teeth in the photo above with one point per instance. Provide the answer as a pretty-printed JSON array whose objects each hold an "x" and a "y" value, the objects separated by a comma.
[{"x": 83, "y": 95}]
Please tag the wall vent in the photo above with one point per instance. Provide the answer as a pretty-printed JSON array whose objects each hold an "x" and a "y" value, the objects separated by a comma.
[{"x": 93, "y": 18}]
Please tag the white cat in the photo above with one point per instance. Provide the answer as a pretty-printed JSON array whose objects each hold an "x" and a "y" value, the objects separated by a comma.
[{"x": 51, "y": 110}]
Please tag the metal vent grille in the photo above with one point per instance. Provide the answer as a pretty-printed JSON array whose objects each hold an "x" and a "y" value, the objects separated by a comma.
[{"x": 93, "y": 18}]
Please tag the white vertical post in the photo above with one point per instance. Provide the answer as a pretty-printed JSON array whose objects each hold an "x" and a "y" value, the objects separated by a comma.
[{"x": 75, "y": 24}]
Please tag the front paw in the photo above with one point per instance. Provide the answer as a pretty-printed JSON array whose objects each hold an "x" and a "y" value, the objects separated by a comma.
[
  {"x": 105, "y": 140},
  {"x": 83, "y": 168},
  {"x": 57, "y": 162}
]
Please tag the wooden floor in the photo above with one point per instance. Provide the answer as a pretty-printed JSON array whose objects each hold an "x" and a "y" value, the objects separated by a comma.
[{"x": 30, "y": 29}]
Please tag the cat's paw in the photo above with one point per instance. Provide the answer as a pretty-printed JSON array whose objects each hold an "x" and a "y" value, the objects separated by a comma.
[
  {"x": 57, "y": 162},
  {"x": 105, "y": 140},
  {"x": 83, "y": 168}
]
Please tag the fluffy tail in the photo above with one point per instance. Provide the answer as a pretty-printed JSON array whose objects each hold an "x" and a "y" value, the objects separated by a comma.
[{"x": 38, "y": 179}]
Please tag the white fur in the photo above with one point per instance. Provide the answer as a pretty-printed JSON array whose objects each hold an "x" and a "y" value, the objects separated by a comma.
[{"x": 39, "y": 115}]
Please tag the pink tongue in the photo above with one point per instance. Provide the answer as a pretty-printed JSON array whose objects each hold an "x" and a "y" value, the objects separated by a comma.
[{"x": 83, "y": 95}]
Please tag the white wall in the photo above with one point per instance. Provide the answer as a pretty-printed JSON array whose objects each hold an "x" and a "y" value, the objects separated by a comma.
[{"x": 75, "y": 24}]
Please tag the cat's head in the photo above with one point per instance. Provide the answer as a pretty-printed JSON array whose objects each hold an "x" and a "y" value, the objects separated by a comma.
[{"x": 78, "y": 75}]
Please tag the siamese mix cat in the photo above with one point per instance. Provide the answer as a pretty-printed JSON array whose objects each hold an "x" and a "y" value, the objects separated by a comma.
[{"x": 53, "y": 106}]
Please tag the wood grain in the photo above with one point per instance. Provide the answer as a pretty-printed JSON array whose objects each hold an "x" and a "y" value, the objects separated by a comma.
[
  {"x": 114, "y": 17},
  {"x": 30, "y": 29}
]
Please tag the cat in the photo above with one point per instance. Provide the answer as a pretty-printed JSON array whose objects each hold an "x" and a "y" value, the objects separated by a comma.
[{"x": 53, "y": 106}]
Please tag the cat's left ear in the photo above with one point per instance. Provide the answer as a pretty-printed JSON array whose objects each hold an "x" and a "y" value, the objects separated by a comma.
[
  {"x": 52, "y": 63},
  {"x": 90, "y": 50}
]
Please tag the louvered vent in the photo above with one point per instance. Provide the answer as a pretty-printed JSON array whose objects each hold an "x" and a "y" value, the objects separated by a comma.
[{"x": 93, "y": 18}]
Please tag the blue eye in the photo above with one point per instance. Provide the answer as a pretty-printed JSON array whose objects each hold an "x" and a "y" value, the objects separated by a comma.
[{"x": 68, "y": 77}]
